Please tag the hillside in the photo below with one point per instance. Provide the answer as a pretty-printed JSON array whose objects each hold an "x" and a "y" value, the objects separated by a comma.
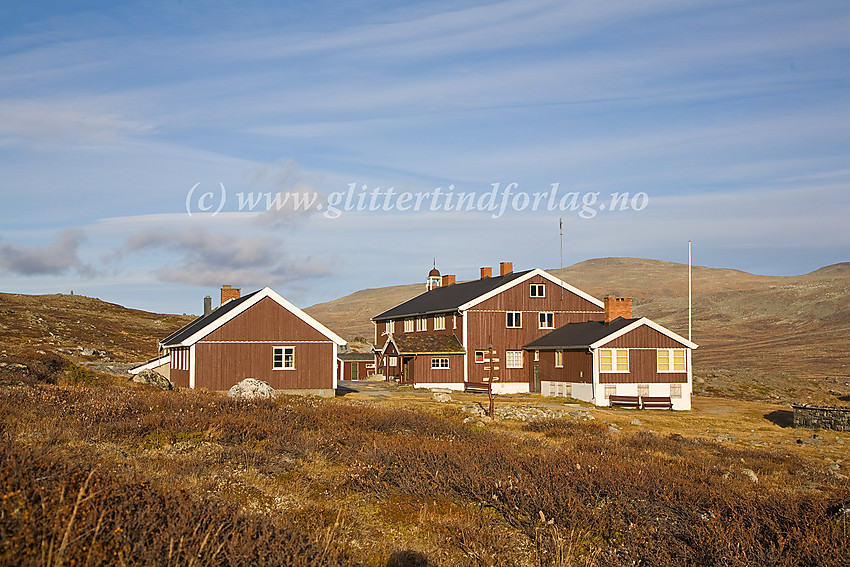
[
  {"x": 767, "y": 331},
  {"x": 760, "y": 337},
  {"x": 66, "y": 323}
]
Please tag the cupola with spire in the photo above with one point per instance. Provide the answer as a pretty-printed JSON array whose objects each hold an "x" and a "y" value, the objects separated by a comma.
[{"x": 434, "y": 280}]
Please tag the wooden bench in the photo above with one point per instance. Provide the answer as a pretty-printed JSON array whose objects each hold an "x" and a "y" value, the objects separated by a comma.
[
  {"x": 624, "y": 401},
  {"x": 476, "y": 387},
  {"x": 656, "y": 402}
]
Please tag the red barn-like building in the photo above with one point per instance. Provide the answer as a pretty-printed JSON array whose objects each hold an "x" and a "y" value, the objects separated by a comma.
[{"x": 260, "y": 335}]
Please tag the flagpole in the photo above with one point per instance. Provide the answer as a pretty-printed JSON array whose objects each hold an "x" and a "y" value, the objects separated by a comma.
[
  {"x": 689, "y": 290},
  {"x": 561, "y": 228}
]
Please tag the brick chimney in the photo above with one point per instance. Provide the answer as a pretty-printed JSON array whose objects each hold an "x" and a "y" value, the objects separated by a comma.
[
  {"x": 486, "y": 273},
  {"x": 506, "y": 268},
  {"x": 448, "y": 280},
  {"x": 617, "y": 307},
  {"x": 207, "y": 305},
  {"x": 228, "y": 292}
]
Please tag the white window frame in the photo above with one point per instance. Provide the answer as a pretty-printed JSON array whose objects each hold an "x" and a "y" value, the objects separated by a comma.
[
  {"x": 616, "y": 359},
  {"x": 408, "y": 325},
  {"x": 671, "y": 360},
  {"x": 537, "y": 290},
  {"x": 439, "y": 363},
  {"x": 546, "y": 319},
  {"x": 484, "y": 359},
  {"x": 286, "y": 362},
  {"x": 421, "y": 324},
  {"x": 439, "y": 322},
  {"x": 537, "y": 356},
  {"x": 390, "y": 327},
  {"x": 559, "y": 359},
  {"x": 392, "y": 361},
  {"x": 513, "y": 359},
  {"x": 514, "y": 317}
]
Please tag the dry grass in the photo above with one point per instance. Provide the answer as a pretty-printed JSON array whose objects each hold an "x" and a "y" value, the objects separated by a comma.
[{"x": 102, "y": 473}]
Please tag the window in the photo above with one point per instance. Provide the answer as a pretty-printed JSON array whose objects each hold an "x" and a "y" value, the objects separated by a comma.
[
  {"x": 610, "y": 390},
  {"x": 671, "y": 359},
  {"x": 283, "y": 358},
  {"x": 408, "y": 325},
  {"x": 676, "y": 391},
  {"x": 439, "y": 363},
  {"x": 422, "y": 324},
  {"x": 513, "y": 359},
  {"x": 390, "y": 326},
  {"x": 537, "y": 290},
  {"x": 559, "y": 359},
  {"x": 481, "y": 357},
  {"x": 514, "y": 319},
  {"x": 439, "y": 322},
  {"x": 643, "y": 389},
  {"x": 536, "y": 356},
  {"x": 613, "y": 360},
  {"x": 392, "y": 361},
  {"x": 547, "y": 320},
  {"x": 563, "y": 389},
  {"x": 180, "y": 359},
  {"x": 454, "y": 321}
]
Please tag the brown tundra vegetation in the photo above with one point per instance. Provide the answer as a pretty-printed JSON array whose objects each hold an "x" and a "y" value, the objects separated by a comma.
[{"x": 95, "y": 471}]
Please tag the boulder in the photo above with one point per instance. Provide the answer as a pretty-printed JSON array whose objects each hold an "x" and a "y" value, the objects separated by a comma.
[
  {"x": 441, "y": 397},
  {"x": 251, "y": 389},
  {"x": 153, "y": 378}
]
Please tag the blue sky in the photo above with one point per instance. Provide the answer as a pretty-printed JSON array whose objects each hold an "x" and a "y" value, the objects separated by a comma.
[{"x": 729, "y": 119}]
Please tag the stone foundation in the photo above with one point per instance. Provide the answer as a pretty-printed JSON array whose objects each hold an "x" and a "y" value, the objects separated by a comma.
[{"x": 822, "y": 417}]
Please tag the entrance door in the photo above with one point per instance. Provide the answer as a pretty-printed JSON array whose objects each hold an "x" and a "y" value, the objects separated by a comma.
[
  {"x": 536, "y": 386},
  {"x": 406, "y": 370},
  {"x": 355, "y": 370}
]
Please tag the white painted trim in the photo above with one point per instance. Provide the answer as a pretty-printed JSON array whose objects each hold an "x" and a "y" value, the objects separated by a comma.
[
  {"x": 465, "y": 346},
  {"x": 640, "y": 322},
  {"x": 336, "y": 367},
  {"x": 192, "y": 367},
  {"x": 155, "y": 363},
  {"x": 262, "y": 294},
  {"x": 525, "y": 278},
  {"x": 594, "y": 381}
]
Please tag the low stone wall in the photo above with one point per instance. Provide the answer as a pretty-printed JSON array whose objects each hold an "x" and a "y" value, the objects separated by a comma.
[{"x": 822, "y": 417}]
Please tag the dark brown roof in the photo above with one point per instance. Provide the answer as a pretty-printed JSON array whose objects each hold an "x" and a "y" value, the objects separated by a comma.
[
  {"x": 578, "y": 335},
  {"x": 448, "y": 298},
  {"x": 356, "y": 356},
  {"x": 428, "y": 344},
  {"x": 184, "y": 333}
]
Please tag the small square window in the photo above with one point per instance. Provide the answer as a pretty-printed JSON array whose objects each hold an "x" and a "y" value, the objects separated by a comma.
[
  {"x": 283, "y": 358},
  {"x": 676, "y": 391},
  {"x": 439, "y": 363},
  {"x": 439, "y": 322},
  {"x": 481, "y": 357},
  {"x": 422, "y": 324},
  {"x": 513, "y": 359},
  {"x": 537, "y": 290},
  {"x": 547, "y": 320}
]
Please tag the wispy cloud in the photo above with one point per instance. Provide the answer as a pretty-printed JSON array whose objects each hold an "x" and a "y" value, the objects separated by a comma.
[
  {"x": 202, "y": 257},
  {"x": 57, "y": 258}
]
